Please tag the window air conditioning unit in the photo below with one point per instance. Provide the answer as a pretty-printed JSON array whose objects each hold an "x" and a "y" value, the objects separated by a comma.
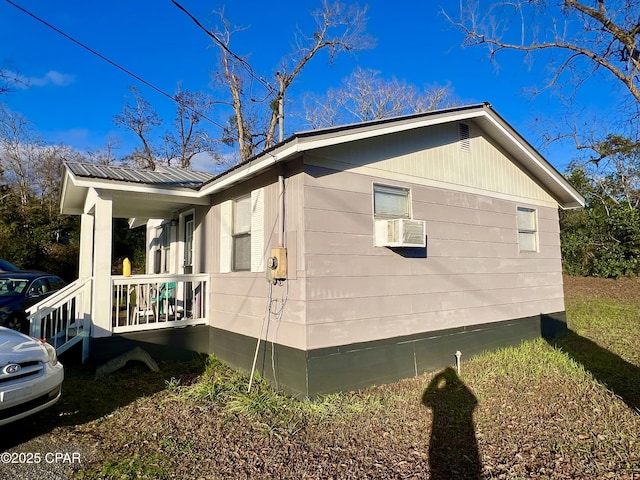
[{"x": 401, "y": 232}]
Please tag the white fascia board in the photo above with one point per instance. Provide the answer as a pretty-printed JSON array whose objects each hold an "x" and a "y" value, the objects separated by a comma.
[
  {"x": 252, "y": 168},
  {"x": 65, "y": 190},
  {"x": 542, "y": 165},
  {"x": 72, "y": 198},
  {"x": 137, "y": 188}
]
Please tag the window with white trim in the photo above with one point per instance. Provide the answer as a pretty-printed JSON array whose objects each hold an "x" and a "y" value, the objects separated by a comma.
[
  {"x": 527, "y": 229},
  {"x": 241, "y": 234},
  {"x": 391, "y": 202}
]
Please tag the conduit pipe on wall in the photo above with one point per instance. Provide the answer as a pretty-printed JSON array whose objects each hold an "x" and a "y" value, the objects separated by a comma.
[
  {"x": 280, "y": 210},
  {"x": 267, "y": 317}
]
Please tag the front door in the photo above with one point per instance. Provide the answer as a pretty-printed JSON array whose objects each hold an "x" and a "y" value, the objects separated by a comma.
[
  {"x": 188, "y": 244},
  {"x": 187, "y": 265}
]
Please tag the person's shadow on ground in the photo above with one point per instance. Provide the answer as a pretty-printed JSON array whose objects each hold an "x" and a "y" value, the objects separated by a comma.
[{"x": 453, "y": 449}]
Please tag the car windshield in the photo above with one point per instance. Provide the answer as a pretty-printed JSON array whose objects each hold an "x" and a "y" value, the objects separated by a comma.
[{"x": 12, "y": 286}]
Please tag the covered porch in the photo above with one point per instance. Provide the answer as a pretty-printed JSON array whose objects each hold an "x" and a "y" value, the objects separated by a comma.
[{"x": 170, "y": 293}]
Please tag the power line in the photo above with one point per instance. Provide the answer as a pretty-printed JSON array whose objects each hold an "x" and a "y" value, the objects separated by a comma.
[
  {"x": 114, "y": 64},
  {"x": 224, "y": 46}
]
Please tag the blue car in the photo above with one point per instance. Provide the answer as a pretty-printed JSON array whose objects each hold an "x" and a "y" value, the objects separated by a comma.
[
  {"x": 20, "y": 290},
  {"x": 7, "y": 267}
]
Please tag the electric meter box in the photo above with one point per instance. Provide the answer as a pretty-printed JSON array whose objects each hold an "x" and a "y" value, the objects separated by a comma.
[{"x": 277, "y": 264}]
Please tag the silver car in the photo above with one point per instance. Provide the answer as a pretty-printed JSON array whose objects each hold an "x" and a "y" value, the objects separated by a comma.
[{"x": 30, "y": 376}]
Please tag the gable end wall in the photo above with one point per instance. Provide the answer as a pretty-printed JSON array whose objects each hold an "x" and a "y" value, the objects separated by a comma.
[{"x": 473, "y": 272}]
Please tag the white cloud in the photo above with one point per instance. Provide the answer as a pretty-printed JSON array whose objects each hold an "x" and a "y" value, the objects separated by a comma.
[
  {"x": 52, "y": 77},
  {"x": 73, "y": 136},
  {"x": 204, "y": 162}
]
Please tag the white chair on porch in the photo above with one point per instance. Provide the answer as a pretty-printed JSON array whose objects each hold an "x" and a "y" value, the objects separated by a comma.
[{"x": 142, "y": 306}]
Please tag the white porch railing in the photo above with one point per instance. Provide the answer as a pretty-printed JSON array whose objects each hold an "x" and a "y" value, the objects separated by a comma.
[
  {"x": 145, "y": 302},
  {"x": 63, "y": 319}
]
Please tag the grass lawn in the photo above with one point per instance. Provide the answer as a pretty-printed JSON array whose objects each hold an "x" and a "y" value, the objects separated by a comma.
[{"x": 567, "y": 410}]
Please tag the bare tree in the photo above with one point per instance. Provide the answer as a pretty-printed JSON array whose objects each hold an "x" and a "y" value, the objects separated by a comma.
[
  {"x": 8, "y": 80},
  {"x": 188, "y": 139},
  {"x": 578, "y": 39},
  {"x": 176, "y": 147},
  {"x": 20, "y": 150},
  {"x": 364, "y": 96},
  {"x": 338, "y": 29},
  {"x": 47, "y": 174},
  {"x": 106, "y": 155},
  {"x": 31, "y": 168},
  {"x": 140, "y": 117},
  {"x": 231, "y": 76}
]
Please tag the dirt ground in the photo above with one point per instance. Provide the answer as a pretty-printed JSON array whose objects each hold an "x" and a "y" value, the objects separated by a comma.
[
  {"x": 626, "y": 289},
  {"x": 147, "y": 431}
]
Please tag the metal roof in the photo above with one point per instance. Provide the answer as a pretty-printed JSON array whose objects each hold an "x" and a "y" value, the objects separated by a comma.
[{"x": 169, "y": 177}]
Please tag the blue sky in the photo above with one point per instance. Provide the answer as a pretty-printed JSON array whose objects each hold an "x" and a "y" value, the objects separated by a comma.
[{"x": 73, "y": 95}]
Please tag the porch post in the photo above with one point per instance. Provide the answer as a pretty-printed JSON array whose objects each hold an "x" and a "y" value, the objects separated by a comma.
[
  {"x": 85, "y": 264},
  {"x": 102, "y": 292}
]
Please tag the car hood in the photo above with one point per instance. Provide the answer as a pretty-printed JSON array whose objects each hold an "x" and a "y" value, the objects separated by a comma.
[{"x": 16, "y": 347}]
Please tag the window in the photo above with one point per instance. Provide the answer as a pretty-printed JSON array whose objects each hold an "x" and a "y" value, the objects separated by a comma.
[
  {"x": 56, "y": 283},
  {"x": 38, "y": 287},
  {"x": 161, "y": 254},
  {"x": 241, "y": 233},
  {"x": 391, "y": 202},
  {"x": 527, "y": 230}
]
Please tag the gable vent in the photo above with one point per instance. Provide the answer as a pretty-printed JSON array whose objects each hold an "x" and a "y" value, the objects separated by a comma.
[{"x": 463, "y": 135}]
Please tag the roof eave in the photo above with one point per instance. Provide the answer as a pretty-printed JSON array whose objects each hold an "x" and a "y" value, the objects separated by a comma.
[
  {"x": 566, "y": 196},
  {"x": 305, "y": 141}
]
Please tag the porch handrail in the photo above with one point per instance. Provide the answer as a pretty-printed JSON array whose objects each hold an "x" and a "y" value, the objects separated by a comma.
[
  {"x": 63, "y": 318},
  {"x": 62, "y": 294},
  {"x": 158, "y": 278},
  {"x": 153, "y": 301}
]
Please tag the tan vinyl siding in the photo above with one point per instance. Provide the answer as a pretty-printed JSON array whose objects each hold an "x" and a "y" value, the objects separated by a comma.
[
  {"x": 343, "y": 289},
  {"x": 433, "y": 157},
  {"x": 239, "y": 299},
  {"x": 352, "y": 331},
  {"x": 451, "y": 309},
  {"x": 473, "y": 273},
  {"x": 331, "y": 288}
]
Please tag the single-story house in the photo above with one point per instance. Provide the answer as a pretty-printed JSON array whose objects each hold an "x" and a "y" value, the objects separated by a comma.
[{"x": 338, "y": 259}]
